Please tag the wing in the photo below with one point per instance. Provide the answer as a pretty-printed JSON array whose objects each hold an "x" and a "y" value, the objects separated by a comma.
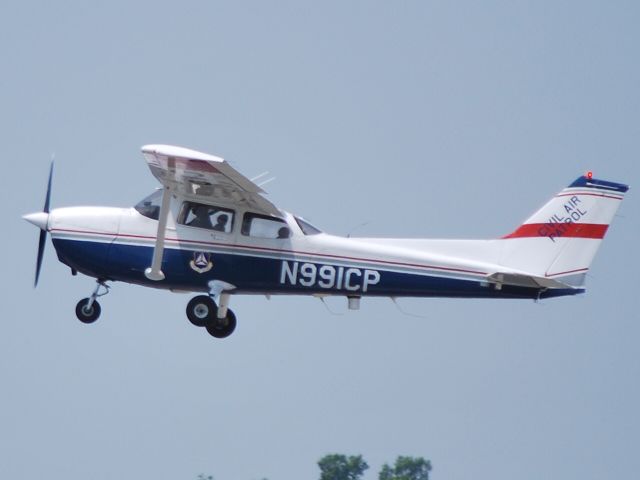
[{"x": 206, "y": 176}]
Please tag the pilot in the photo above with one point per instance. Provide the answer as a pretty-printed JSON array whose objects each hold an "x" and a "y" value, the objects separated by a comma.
[
  {"x": 284, "y": 232},
  {"x": 221, "y": 223},
  {"x": 202, "y": 219}
]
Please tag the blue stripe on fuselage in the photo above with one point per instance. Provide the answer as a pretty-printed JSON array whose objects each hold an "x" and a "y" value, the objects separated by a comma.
[{"x": 259, "y": 274}]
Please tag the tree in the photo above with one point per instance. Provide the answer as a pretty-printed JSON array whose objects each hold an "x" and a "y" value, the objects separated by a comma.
[
  {"x": 341, "y": 467},
  {"x": 406, "y": 468}
]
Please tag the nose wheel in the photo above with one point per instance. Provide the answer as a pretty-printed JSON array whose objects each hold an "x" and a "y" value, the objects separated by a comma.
[
  {"x": 202, "y": 311},
  {"x": 88, "y": 309}
]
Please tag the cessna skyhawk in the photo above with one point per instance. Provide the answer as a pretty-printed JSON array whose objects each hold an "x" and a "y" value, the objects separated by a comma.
[{"x": 209, "y": 229}]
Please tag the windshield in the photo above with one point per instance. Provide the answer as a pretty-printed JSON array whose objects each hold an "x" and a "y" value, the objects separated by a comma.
[
  {"x": 306, "y": 227},
  {"x": 150, "y": 205}
]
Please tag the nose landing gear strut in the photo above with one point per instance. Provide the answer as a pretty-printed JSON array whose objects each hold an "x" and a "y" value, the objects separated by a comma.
[{"x": 88, "y": 309}]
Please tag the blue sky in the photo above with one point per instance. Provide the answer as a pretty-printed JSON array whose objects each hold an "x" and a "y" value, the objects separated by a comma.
[{"x": 426, "y": 119}]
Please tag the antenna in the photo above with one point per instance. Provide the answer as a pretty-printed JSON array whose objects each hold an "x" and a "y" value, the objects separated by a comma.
[
  {"x": 263, "y": 182},
  {"x": 415, "y": 315},
  {"x": 357, "y": 227},
  {"x": 266, "y": 172},
  {"x": 268, "y": 180},
  {"x": 321, "y": 298}
]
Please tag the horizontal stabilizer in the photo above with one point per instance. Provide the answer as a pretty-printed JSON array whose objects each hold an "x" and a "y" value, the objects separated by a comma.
[{"x": 521, "y": 280}]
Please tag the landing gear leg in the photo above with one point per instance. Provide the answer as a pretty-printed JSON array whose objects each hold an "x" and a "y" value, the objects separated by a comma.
[
  {"x": 88, "y": 309},
  {"x": 224, "y": 322},
  {"x": 224, "y": 305}
]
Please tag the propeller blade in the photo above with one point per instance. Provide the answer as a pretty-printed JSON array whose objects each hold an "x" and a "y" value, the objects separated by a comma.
[
  {"x": 43, "y": 232},
  {"x": 41, "y": 243},
  {"x": 47, "y": 199}
]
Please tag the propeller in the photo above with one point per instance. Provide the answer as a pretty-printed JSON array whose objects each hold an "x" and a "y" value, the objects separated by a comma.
[{"x": 41, "y": 220}]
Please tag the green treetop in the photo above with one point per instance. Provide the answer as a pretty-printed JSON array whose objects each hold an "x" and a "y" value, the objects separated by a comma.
[
  {"x": 406, "y": 468},
  {"x": 341, "y": 467}
]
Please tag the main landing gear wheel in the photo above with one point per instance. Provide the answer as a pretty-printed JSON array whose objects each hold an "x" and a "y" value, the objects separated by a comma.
[
  {"x": 86, "y": 313},
  {"x": 222, "y": 327},
  {"x": 201, "y": 310}
]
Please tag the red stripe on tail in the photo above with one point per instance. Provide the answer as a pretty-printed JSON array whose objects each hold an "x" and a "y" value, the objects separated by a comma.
[{"x": 559, "y": 230}]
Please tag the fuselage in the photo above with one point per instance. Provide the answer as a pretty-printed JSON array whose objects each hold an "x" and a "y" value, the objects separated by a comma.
[{"x": 117, "y": 244}]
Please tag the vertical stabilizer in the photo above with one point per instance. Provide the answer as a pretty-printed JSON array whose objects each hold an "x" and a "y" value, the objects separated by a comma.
[{"x": 560, "y": 240}]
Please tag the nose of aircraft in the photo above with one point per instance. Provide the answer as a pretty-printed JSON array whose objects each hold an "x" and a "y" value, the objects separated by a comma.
[{"x": 39, "y": 219}]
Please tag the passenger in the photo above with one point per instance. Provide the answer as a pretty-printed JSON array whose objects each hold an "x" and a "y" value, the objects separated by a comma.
[
  {"x": 284, "y": 232},
  {"x": 202, "y": 219},
  {"x": 221, "y": 223}
]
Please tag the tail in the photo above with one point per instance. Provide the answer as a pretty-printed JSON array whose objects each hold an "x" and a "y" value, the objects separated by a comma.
[{"x": 560, "y": 240}]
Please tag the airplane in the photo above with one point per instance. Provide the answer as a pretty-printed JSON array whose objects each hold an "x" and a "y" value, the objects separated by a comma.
[{"x": 208, "y": 229}]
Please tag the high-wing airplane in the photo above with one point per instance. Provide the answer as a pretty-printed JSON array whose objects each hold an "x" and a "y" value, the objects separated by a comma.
[{"x": 209, "y": 229}]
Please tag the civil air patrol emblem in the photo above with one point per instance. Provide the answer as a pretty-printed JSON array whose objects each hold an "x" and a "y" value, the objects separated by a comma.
[{"x": 201, "y": 262}]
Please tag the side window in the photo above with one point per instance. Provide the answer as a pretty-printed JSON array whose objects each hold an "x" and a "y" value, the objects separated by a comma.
[
  {"x": 210, "y": 217},
  {"x": 263, "y": 226},
  {"x": 306, "y": 227}
]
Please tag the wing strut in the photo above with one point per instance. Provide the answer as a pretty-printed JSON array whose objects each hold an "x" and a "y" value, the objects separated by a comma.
[{"x": 154, "y": 272}]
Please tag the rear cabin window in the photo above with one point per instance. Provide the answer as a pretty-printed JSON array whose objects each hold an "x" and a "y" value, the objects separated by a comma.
[
  {"x": 209, "y": 217},
  {"x": 306, "y": 227},
  {"x": 264, "y": 226}
]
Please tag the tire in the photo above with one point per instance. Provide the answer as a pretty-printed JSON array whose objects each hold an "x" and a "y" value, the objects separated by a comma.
[
  {"x": 222, "y": 327},
  {"x": 90, "y": 315},
  {"x": 201, "y": 310}
]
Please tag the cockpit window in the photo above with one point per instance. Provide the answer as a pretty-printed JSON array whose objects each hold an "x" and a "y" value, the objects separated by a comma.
[
  {"x": 306, "y": 227},
  {"x": 210, "y": 217},
  {"x": 150, "y": 205},
  {"x": 264, "y": 226}
]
